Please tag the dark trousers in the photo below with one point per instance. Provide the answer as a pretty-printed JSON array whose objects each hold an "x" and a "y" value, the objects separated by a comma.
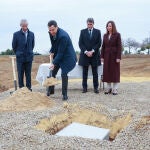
[
  {"x": 85, "y": 77},
  {"x": 55, "y": 70},
  {"x": 24, "y": 68},
  {"x": 64, "y": 80}
]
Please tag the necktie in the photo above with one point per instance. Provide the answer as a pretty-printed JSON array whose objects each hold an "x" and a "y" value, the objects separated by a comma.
[{"x": 90, "y": 33}]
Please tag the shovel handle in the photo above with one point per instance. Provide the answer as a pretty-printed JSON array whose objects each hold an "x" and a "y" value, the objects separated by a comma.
[
  {"x": 13, "y": 66},
  {"x": 14, "y": 72},
  {"x": 51, "y": 57}
]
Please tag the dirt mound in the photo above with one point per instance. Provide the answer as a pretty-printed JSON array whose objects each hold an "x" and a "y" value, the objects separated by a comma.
[
  {"x": 85, "y": 116},
  {"x": 145, "y": 120},
  {"x": 23, "y": 99},
  {"x": 3, "y": 88}
]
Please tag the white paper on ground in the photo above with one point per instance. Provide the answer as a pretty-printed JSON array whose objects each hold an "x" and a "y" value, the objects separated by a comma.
[{"x": 84, "y": 131}]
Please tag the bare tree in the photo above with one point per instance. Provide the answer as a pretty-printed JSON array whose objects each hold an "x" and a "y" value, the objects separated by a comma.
[
  {"x": 146, "y": 45},
  {"x": 136, "y": 45},
  {"x": 123, "y": 45},
  {"x": 131, "y": 43}
]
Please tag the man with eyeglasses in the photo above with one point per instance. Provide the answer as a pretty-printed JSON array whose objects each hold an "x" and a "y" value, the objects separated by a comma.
[
  {"x": 89, "y": 43},
  {"x": 23, "y": 44}
]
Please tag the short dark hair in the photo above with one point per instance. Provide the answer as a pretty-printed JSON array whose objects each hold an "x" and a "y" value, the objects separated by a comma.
[
  {"x": 91, "y": 20},
  {"x": 52, "y": 23}
]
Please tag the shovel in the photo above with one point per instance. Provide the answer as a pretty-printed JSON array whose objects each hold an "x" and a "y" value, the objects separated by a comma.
[
  {"x": 14, "y": 73},
  {"x": 50, "y": 75}
]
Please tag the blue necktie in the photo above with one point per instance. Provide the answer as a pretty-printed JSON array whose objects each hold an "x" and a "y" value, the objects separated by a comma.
[{"x": 90, "y": 33}]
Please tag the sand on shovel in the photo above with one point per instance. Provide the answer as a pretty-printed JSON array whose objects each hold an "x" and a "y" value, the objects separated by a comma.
[
  {"x": 50, "y": 81},
  {"x": 23, "y": 99}
]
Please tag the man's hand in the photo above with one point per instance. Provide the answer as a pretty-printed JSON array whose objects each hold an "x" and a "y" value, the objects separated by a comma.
[
  {"x": 51, "y": 54},
  {"x": 89, "y": 53},
  {"x": 52, "y": 66}
]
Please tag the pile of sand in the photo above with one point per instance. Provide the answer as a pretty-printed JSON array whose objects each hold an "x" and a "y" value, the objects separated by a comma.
[
  {"x": 23, "y": 99},
  {"x": 85, "y": 116},
  {"x": 3, "y": 88},
  {"x": 50, "y": 81},
  {"x": 145, "y": 120}
]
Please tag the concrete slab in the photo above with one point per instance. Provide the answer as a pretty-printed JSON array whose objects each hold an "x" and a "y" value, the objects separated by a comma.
[{"x": 84, "y": 131}]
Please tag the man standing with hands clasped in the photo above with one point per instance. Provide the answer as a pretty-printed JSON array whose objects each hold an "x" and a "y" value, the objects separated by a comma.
[
  {"x": 89, "y": 43},
  {"x": 23, "y": 44}
]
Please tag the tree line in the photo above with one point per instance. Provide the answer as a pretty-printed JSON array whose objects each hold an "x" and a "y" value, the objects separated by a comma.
[
  {"x": 132, "y": 44},
  {"x": 11, "y": 52},
  {"x": 128, "y": 46}
]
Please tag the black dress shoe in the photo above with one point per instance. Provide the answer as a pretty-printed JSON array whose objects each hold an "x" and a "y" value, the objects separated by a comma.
[
  {"x": 65, "y": 97},
  {"x": 84, "y": 91},
  {"x": 115, "y": 93},
  {"x": 108, "y": 91},
  {"x": 96, "y": 91}
]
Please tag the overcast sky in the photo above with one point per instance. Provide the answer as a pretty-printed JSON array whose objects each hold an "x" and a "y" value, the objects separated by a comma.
[{"x": 132, "y": 18}]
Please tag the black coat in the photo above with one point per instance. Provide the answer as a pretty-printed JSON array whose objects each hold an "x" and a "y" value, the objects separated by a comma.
[
  {"x": 22, "y": 48},
  {"x": 87, "y": 44},
  {"x": 64, "y": 53}
]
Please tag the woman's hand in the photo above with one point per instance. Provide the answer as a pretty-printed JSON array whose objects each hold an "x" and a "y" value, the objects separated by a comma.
[
  {"x": 102, "y": 60},
  {"x": 118, "y": 60}
]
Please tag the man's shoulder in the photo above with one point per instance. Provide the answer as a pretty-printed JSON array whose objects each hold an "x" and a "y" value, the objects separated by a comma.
[
  {"x": 97, "y": 30},
  {"x": 84, "y": 30},
  {"x": 17, "y": 32},
  {"x": 62, "y": 33},
  {"x": 31, "y": 32}
]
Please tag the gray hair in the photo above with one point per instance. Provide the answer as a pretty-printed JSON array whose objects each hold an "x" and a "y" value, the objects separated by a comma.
[
  {"x": 91, "y": 20},
  {"x": 23, "y": 21}
]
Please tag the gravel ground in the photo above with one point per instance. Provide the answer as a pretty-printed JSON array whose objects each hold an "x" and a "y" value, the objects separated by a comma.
[{"x": 17, "y": 130}]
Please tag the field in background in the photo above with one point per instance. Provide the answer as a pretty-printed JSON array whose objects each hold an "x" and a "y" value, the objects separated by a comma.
[{"x": 134, "y": 68}]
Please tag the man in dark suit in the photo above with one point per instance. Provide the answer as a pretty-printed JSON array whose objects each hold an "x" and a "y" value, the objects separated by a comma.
[
  {"x": 23, "y": 44},
  {"x": 89, "y": 43},
  {"x": 63, "y": 54}
]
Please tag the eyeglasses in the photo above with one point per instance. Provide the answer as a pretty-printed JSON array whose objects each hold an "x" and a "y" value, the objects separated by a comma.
[{"x": 90, "y": 24}]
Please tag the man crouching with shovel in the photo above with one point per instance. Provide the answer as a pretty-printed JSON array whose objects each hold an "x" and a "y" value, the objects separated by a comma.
[{"x": 63, "y": 54}]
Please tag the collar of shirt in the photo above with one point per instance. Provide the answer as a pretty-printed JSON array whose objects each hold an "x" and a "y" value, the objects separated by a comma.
[
  {"x": 25, "y": 32},
  {"x": 54, "y": 37},
  {"x": 90, "y": 29}
]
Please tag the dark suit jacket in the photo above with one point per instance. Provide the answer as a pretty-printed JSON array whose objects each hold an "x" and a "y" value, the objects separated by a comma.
[
  {"x": 85, "y": 43},
  {"x": 64, "y": 53},
  {"x": 22, "y": 48}
]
